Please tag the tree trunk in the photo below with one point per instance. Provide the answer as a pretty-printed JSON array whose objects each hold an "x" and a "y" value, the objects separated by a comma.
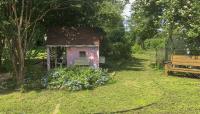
[
  {"x": 20, "y": 71},
  {"x": 1, "y": 59},
  {"x": 142, "y": 45},
  {"x": 170, "y": 38},
  {"x": 18, "y": 60},
  {"x": 1, "y": 52}
]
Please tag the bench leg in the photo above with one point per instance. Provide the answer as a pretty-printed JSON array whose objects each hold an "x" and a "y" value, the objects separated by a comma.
[{"x": 166, "y": 70}]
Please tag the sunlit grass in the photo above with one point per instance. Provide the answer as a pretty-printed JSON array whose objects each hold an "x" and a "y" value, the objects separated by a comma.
[{"x": 138, "y": 88}]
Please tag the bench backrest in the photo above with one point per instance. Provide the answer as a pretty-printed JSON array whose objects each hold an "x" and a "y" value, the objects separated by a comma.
[
  {"x": 185, "y": 60},
  {"x": 82, "y": 61}
]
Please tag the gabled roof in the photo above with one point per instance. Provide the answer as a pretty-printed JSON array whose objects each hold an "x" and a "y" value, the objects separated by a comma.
[{"x": 73, "y": 36}]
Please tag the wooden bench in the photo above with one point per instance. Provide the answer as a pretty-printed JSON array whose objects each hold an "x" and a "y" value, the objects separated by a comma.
[
  {"x": 82, "y": 61},
  {"x": 183, "y": 63}
]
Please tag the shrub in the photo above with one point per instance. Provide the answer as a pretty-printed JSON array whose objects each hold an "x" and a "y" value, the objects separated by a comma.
[
  {"x": 136, "y": 49},
  {"x": 155, "y": 43},
  {"x": 7, "y": 84},
  {"x": 33, "y": 76},
  {"x": 76, "y": 78}
]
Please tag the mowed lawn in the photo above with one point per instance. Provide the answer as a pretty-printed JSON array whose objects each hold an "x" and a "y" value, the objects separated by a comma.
[{"x": 138, "y": 88}]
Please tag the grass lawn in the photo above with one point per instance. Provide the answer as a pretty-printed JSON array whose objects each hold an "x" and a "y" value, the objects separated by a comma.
[{"x": 138, "y": 89}]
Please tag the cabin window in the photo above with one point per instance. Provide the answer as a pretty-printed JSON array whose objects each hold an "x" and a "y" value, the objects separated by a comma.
[{"x": 82, "y": 54}]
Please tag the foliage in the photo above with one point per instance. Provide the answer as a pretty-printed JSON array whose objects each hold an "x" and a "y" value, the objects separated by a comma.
[
  {"x": 104, "y": 14},
  {"x": 19, "y": 22},
  {"x": 155, "y": 43},
  {"x": 174, "y": 18},
  {"x": 6, "y": 66},
  {"x": 9, "y": 84},
  {"x": 76, "y": 78},
  {"x": 116, "y": 50},
  {"x": 36, "y": 53},
  {"x": 136, "y": 48},
  {"x": 115, "y": 45},
  {"x": 33, "y": 76},
  {"x": 144, "y": 20},
  {"x": 182, "y": 17}
]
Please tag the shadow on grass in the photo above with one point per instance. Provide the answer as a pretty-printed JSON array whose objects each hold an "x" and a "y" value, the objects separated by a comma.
[
  {"x": 184, "y": 75},
  {"x": 175, "y": 74},
  {"x": 6, "y": 92},
  {"x": 10, "y": 91},
  {"x": 156, "y": 66},
  {"x": 128, "y": 110},
  {"x": 132, "y": 64}
]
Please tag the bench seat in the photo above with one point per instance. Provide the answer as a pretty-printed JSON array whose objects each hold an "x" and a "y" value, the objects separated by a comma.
[
  {"x": 186, "y": 70},
  {"x": 189, "y": 62}
]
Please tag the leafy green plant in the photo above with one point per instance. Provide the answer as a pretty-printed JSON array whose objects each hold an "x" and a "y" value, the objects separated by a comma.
[
  {"x": 155, "y": 43},
  {"x": 33, "y": 76},
  {"x": 8, "y": 84},
  {"x": 76, "y": 78},
  {"x": 136, "y": 48}
]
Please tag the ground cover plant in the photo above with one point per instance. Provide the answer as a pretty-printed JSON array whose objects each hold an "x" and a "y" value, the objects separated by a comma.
[{"x": 76, "y": 78}]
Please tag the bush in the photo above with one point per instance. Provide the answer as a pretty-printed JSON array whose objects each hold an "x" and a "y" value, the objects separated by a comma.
[
  {"x": 6, "y": 66},
  {"x": 33, "y": 76},
  {"x": 8, "y": 84},
  {"x": 136, "y": 49},
  {"x": 76, "y": 78},
  {"x": 155, "y": 43}
]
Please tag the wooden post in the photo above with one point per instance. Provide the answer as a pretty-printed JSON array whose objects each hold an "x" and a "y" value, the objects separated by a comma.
[
  {"x": 156, "y": 65},
  {"x": 166, "y": 69},
  {"x": 56, "y": 61},
  {"x": 48, "y": 59}
]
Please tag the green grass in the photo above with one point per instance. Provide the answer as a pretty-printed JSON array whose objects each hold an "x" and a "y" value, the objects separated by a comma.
[{"x": 138, "y": 89}]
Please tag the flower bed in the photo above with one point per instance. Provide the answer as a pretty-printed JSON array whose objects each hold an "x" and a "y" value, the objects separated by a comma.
[{"x": 76, "y": 78}]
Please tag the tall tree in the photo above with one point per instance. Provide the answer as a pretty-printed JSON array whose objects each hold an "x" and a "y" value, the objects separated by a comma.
[
  {"x": 21, "y": 18},
  {"x": 2, "y": 45},
  {"x": 180, "y": 18},
  {"x": 173, "y": 17},
  {"x": 2, "y": 36},
  {"x": 144, "y": 20}
]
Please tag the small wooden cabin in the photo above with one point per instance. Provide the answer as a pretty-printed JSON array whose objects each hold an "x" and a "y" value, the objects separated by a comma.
[{"x": 73, "y": 46}]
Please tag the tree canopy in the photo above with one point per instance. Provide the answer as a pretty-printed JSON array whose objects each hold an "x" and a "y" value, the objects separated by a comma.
[{"x": 171, "y": 17}]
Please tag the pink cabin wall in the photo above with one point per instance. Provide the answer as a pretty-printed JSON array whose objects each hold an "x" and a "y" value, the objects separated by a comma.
[{"x": 92, "y": 53}]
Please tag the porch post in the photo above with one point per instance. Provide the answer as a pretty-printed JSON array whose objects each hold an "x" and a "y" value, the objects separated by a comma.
[{"x": 48, "y": 59}]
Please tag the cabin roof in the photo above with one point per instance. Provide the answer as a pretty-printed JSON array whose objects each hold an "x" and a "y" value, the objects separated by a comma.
[{"x": 73, "y": 36}]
